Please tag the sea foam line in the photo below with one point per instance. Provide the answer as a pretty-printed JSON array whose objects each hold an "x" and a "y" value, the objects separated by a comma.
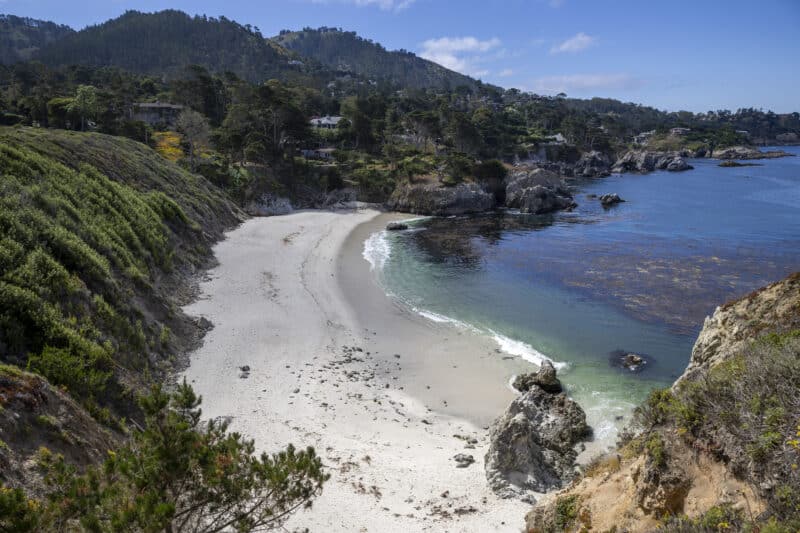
[
  {"x": 523, "y": 350},
  {"x": 377, "y": 250}
]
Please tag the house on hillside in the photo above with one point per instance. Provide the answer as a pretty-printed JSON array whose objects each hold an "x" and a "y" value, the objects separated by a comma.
[
  {"x": 678, "y": 132},
  {"x": 325, "y": 123},
  {"x": 322, "y": 154},
  {"x": 643, "y": 137},
  {"x": 156, "y": 113},
  {"x": 556, "y": 139}
]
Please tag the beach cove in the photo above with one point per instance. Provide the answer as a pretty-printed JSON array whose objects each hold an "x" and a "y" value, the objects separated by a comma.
[{"x": 306, "y": 348}]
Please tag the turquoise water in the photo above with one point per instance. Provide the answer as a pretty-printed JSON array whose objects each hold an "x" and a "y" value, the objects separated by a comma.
[{"x": 578, "y": 287}]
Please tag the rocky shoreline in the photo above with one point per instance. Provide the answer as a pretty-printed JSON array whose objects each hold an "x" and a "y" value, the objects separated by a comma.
[{"x": 544, "y": 187}]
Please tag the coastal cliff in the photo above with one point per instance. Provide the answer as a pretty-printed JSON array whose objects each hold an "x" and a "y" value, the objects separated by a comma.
[{"x": 716, "y": 451}]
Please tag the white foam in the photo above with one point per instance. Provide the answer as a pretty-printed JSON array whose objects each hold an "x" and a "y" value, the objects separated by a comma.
[
  {"x": 377, "y": 250},
  {"x": 442, "y": 319},
  {"x": 523, "y": 350}
]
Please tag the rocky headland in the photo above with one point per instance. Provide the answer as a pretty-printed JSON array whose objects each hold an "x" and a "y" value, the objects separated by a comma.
[
  {"x": 648, "y": 161},
  {"x": 530, "y": 189},
  {"x": 717, "y": 450}
]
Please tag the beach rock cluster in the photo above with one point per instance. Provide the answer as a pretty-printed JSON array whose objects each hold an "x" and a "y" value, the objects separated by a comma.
[
  {"x": 532, "y": 445},
  {"x": 537, "y": 191},
  {"x": 441, "y": 200},
  {"x": 648, "y": 161}
]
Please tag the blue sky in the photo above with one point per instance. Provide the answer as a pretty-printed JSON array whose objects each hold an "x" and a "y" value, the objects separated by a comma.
[{"x": 693, "y": 55}]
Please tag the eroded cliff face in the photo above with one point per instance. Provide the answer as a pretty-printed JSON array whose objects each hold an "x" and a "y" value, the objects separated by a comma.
[
  {"x": 686, "y": 461},
  {"x": 772, "y": 309},
  {"x": 33, "y": 415}
]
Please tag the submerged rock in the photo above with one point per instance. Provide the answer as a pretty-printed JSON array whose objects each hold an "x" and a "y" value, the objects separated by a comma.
[
  {"x": 631, "y": 361},
  {"x": 532, "y": 446}
]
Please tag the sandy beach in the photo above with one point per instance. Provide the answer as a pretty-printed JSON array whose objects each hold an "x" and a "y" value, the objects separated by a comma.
[{"x": 386, "y": 397}]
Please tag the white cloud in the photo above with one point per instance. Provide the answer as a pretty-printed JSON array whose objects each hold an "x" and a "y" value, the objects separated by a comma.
[
  {"x": 579, "y": 42},
  {"x": 462, "y": 54},
  {"x": 386, "y": 5},
  {"x": 506, "y": 73},
  {"x": 586, "y": 82}
]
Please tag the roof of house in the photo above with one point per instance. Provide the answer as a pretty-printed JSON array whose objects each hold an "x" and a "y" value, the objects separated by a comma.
[
  {"x": 157, "y": 105},
  {"x": 326, "y": 120}
]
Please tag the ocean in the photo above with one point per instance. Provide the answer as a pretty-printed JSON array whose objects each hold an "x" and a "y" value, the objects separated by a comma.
[{"x": 583, "y": 288}]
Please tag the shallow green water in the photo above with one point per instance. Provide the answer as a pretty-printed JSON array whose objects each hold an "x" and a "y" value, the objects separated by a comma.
[{"x": 577, "y": 287}]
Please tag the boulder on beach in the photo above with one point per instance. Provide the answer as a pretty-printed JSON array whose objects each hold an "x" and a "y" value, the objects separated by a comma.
[{"x": 532, "y": 445}]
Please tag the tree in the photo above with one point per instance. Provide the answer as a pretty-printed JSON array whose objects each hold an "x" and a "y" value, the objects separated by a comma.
[
  {"x": 195, "y": 129},
  {"x": 177, "y": 474},
  {"x": 84, "y": 104}
]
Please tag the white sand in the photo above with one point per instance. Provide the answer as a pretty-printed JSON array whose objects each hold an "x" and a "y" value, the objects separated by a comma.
[{"x": 288, "y": 295}]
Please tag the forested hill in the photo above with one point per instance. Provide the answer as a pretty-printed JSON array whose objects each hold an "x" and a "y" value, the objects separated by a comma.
[
  {"x": 164, "y": 43},
  {"x": 21, "y": 37},
  {"x": 346, "y": 51}
]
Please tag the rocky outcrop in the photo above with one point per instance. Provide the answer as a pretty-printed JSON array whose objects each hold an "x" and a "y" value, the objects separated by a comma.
[
  {"x": 440, "y": 200},
  {"x": 396, "y": 226},
  {"x": 648, "y": 161},
  {"x": 545, "y": 379},
  {"x": 33, "y": 413},
  {"x": 538, "y": 191},
  {"x": 774, "y": 308},
  {"x": 592, "y": 164},
  {"x": 532, "y": 446},
  {"x": 667, "y": 469},
  {"x": 747, "y": 152}
]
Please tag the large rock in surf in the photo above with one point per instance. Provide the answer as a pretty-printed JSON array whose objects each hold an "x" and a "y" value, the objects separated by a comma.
[
  {"x": 532, "y": 446},
  {"x": 538, "y": 191},
  {"x": 441, "y": 200},
  {"x": 610, "y": 199}
]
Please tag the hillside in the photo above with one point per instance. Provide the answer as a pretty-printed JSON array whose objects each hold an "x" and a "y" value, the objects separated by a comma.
[
  {"x": 101, "y": 238},
  {"x": 346, "y": 51},
  {"x": 719, "y": 450},
  {"x": 21, "y": 37},
  {"x": 165, "y": 43}
]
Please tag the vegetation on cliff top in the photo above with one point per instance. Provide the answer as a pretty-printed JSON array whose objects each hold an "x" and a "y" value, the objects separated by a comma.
[
  {"x": 743, "y": 411},
  {"x": 176, "y": 474}
]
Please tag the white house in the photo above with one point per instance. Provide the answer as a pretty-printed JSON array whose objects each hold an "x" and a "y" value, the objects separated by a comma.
[
  {"x": 325, "y": 123},
  {"x": 679, "y": 131}
]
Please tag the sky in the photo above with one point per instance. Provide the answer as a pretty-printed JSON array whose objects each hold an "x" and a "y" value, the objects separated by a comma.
[{"x": 694, "y": 55}]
